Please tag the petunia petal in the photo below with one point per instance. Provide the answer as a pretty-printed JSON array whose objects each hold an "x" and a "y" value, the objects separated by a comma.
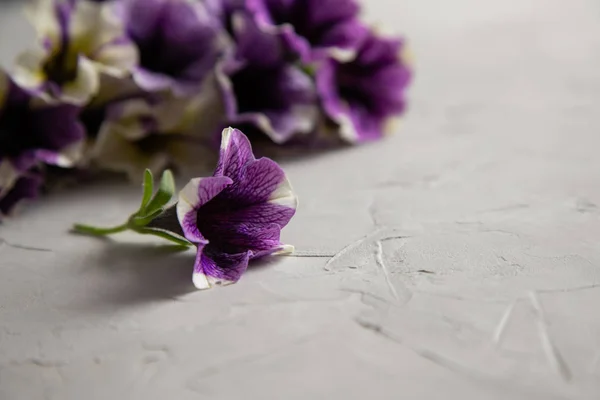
[
  {"x": 255, "y": 183},
  {"x": 314, "y": 29},
  {"x": 151, "y": 81},
  {"x": 26, "y": 187},
  {"x": 254, "y": 46},
  {"x": 235, "y": 153},
  {"x": 282, "y": 249},
  {"x": 116, "y": 58},
  {"x": 113, "y": 151},
  {"x": 42, "y": 16},
  {"x": 196, "y": 193},
  {"x": 28, "y": 72},
  {"x": 216, "y": 268},
  {"x": 84, "y": 86},
  {"x": 284, "y": 195},
  {"x": 235, "y": 237}
]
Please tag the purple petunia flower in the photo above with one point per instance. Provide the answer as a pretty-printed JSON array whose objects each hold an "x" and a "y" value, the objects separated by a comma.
[
  {"x": 364, "y": 95},
  {"x": 237, "y": 214},
  {"x": 313, "y": 28},
  {"x": 79, "y": 42},
  {"x": 262, "y": 89},
  {"x": 31, "y": 133},
  {"x": 179, "y": 42}
]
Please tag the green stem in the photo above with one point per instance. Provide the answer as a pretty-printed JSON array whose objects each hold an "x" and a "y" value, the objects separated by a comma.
[{"x": 95, "y": 231}]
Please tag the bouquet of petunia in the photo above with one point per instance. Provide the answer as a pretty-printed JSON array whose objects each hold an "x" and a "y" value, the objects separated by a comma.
[{"x": 129, "y": 85}]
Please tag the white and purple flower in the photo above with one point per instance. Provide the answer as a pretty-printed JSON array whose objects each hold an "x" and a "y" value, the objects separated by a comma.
[
  {"x": 313, "y": 28},
  {"x": 237, "y": 214},
  {"x": 232, "y": 217},
  {"x": 151, "y": 132},
  {"x": 364, "y": 95},
  {"x": 179, "y": 42},
  {"x": 262, "y": 90},
  {"x": 32, "y": 133},
  {"x": 79, "y": 41}
]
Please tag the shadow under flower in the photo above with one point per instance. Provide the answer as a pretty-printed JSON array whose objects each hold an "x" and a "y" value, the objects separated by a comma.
[
  {"x": 142, "y": 272},
  {"x": 137, "y": 273}
]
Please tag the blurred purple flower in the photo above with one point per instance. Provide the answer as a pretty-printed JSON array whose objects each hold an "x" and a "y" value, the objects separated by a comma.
[
  {"x": 262, "y": 89},
  {"x": 149, "y": 132},
  {"x": 79, "y": 41},
  {"x": 313, "y": 28},
  {"x": 237, "y": 214},
  {"x": 179, "y": 41},
  {"x": 32, "y": 133},
  {"x": 363, "y": 96}
]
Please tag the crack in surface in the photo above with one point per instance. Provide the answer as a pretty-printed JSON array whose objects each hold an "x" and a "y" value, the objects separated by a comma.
[
  {"x": 429, "y": 355},
  {"x": 23, "y": 247},
  {"x": 552, "y": 353},
  {"x": 381, "y": 264},
  {"x": 310, "y": 254},
  {"x": 246, "y": 359},
  {"x": 503, "y": 324},
  {"x": 349, "y": 248},
  {"x": 573, "y": 289}
]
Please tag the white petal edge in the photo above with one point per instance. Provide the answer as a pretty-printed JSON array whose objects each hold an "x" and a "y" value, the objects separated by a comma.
[
  {"x": 117, "y": 60},
  {"x": 28, "y": 68},
  {"x": 114, "y": 152},
  {"x": 41, "y": 15},
  {"x": 84, "y": 86},
  {"x": 284, "y": 195},
  {"x": 341, "y": 54},
  {"x": 226, "y": 138},
  {"x": 188, "y": 198},
  {"x": 347, "y": 129},
  {"x": 71, "y": 154},
  {"x": 285, "y": 250},
  {"x": 200, "y": 281},
  {"x": 203, "y": 282}
]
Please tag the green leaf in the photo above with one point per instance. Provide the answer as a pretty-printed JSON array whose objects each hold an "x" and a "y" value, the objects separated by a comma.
[
  {"x": 170, "y": 236},
  {"x": 163, "y": 195},
  {"x": 148, "y": 186},
  {"x": 143, "y": 220}
]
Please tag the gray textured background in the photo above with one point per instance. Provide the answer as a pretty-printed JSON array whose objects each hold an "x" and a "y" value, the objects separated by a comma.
[{"x": 478, "y": 278}]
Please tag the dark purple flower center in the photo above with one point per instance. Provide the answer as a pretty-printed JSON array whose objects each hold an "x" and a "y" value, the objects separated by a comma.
[
  {"x": 214, "y": 225},
  {"x": 16, "y": 132},
  {"x": 258, "y": 89},
  {"x": 60, "y": 67},
  {"x": 182, "y": 51},
  {"x": 350, "y": 80},
  {"x": 153, "y": 59},
  {"x": 153, "y": 143},
  {"x": 92, "y": 119},
  {"x": 375, "y": 80}
]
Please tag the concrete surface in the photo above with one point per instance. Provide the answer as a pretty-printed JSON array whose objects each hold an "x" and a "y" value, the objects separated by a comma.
[{"x": 467, "y": 247}]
